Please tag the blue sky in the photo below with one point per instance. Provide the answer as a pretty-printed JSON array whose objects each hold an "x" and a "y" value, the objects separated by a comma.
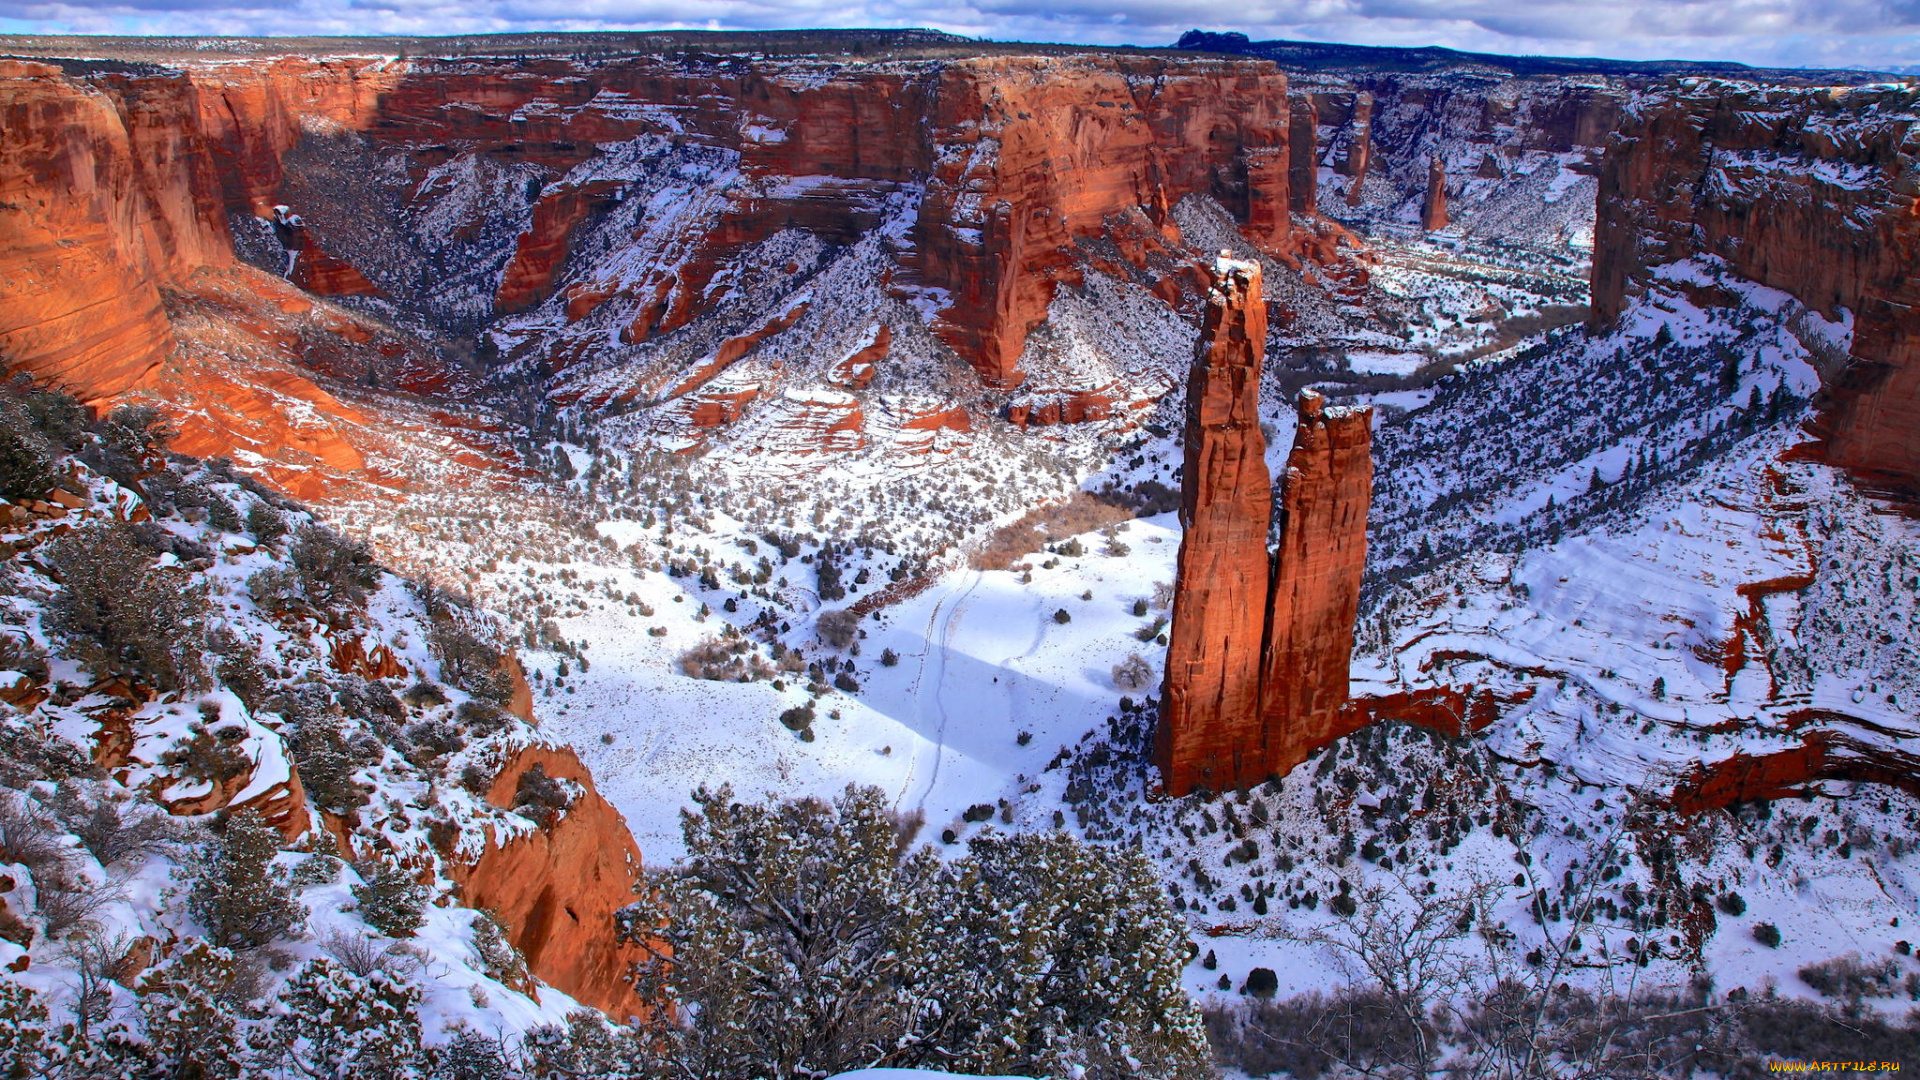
[{"x": 1827, "y": 33}]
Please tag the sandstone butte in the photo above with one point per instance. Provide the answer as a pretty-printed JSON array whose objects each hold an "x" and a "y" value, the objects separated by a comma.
[
  {"x": 1807, "y": 191},
  {"x": 1258, "y": 652}
]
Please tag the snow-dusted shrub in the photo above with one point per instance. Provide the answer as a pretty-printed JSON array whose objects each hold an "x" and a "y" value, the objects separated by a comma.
[
  {"x": 838, "y": 628},
  {"x": 334, "y": 573},
  {"x": 327, "y": 764},
  {"x": 1851, "y": 978},
  {"x": 391, "y": 900},
  {"x": 265, "y": 523},
  {"x": 112, "y": 828},
  {"x": 119, "y": 615},
  {"x": 237, "y": 893},
  {"x": 808, "y": 937},
  {"x": 541, "y": 798},
  {"x": 1132, "y": 673}
]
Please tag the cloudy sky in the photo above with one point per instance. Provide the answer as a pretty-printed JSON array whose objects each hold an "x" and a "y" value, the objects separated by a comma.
[{"x": 1829, "y": 33}]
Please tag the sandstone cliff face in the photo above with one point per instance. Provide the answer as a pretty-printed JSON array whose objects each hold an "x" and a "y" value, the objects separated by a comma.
[
  {"x": 80, "y": 251},
  {"x": 1807, "y": 191},
  {"x": 1258, "y": 651},
  {"x": 1316, "y": 580},
  {"x": 556, "y": 889},
  {"x": 1210, "y": 715}
]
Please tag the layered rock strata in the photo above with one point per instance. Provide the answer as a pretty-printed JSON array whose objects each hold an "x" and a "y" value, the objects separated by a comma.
[
  {"x": 1258, "y": 651},
  {"x": 1806, "y": 191}
]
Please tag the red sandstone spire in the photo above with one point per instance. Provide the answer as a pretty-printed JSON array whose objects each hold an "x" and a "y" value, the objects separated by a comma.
[
  {"x": 1259, "y": 647},
  {"x": 1210, "y": 711},
  {"x": 1316, "y": 580}
]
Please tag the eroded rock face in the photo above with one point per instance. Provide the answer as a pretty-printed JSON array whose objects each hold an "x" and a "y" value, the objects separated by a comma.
[
  {"x": 1210, "y": 715},
  {"x": 81, "y": 254},
  {"x": 1316, "y": 580},
  {"x": 1807, "y": 191},
  {"x": 1258, "y": 651},
  {"x": 556, "y": 889}
]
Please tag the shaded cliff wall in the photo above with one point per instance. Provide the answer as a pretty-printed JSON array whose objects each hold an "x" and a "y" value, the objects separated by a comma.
[
  {"x": 556, "y": 889},
  {"x": 1807, "y": 191},
  {"x": 102, "y": 200}
]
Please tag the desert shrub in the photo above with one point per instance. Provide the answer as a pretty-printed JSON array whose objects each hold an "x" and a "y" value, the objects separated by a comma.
[
  {"x": 265, "y": 523},
  {"x": 1851, "y": 978},
  {"x": 1063, "y": 616},
  {"x": 1132, "y": 673},
  {"x": 334, "y": 573},
  {"x": 541, "y": 798},
  {"x": 469, "y": 655},
  {"x": 725, "y": 659},
  {"x": 1767, "y": 934},
  {"x": 327, "y": 764},
  {"x": 26, "y": 470},
  {"x": 122, "y": 616},
  {"x": 237, "y": 892},
  {"x": 114, "y": 829},
  {"x": 838, "y": 628},
  {"x": 391, "y": 900},
  {"x": 432, "y": 739},
  {"x": 213, "y": 752}
]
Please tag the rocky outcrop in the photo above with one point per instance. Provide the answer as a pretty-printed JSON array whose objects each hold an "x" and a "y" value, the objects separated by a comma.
[
  {"x": 556, "y": 889},
  {"x": 1258, "y": 650},
  {"x": 1433, "y": 211},
  {"x": 1833, "y": 748},
  {"x": 1210, "y": 718},
  {"x": 1807, "y": 191},
  {"x": 1316, "y": 580}
]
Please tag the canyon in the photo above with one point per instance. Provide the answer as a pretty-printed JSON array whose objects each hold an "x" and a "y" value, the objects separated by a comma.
[{"x": 804, "y": 415}]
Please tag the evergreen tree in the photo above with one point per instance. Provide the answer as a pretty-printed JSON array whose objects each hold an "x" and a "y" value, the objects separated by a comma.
[
  {"x": 238, "y": 893},
  {"x": 191, "y": 1031},
  {"x": 391, "y": 900},
  {"x": 331, "y": 1023},
  {"x": 805, "y": 938},
  {"x": 120, "y": 615}
]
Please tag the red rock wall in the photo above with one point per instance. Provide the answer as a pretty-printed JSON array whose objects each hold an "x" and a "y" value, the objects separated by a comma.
[
  {"x": 1316, "y": 580},
  {"x": 556, "y": 890},
  {"x": 80, "y": 253},
  {"x": 1807, "y": 191},
  {"x": 1031, "y": 154},
  {"x": 1209, "y": 734}
]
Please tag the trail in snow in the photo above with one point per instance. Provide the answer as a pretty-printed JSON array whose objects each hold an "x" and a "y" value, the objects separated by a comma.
[{"x": 938, "y": 698}]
